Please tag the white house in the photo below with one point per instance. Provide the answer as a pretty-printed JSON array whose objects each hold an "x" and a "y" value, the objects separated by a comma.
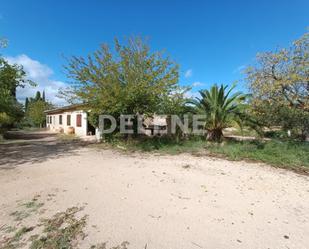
[
  {"x": 74, "y": 119},
  {"x": 70, "y": 119}
]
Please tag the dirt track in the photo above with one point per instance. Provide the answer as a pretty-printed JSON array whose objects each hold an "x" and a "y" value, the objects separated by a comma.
[{"x": 158, "y": 201}]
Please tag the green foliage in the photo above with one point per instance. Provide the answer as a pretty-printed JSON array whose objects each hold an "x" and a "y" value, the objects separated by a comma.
[
  {"x": 34, "y": 108},
  {"x": 175, "y": 102},
  {"x": 26, "y": 104},
  {"x": 274, "y": 114},
  {"x": 15, "y": 241},
  {"x": 35, "y": 112},
  {"x": 276, "y": 134},
  {"x": 93, "y": 119},
  {"x": 280, "y": 85},
  {"x": 27, "y": 209},
  {"x": 11, "y": 77},
  {"x": 37, "y": 96},
  {"x": 61, "y": 231},
  {"x": 133, "y": 80},
  {"x": 287, "y": 154},
  {"x": 43, "y": 96},
  {"x": 159, "y": 144},
  {"x": 221, "y": 109}
]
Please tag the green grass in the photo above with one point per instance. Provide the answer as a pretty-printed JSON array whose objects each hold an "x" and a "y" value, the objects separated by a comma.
[
  {"x": 157, "y": 144},
  {"x": 27, "y": 209},
  {"x": 288, "y": 154},
  {"x": 61, "y": 231},
  {"x": 15, "y": 241},
  {"x": 283, "y": 153}
]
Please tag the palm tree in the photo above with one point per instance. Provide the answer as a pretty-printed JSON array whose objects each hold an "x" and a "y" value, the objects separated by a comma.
[{"x": 221, "y": 109}]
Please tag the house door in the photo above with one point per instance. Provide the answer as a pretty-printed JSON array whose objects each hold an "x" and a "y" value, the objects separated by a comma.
[{"x": 90, "y": 129}]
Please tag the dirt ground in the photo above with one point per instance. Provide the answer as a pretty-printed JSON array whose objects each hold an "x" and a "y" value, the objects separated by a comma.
[{"x": 152, "y": 201}]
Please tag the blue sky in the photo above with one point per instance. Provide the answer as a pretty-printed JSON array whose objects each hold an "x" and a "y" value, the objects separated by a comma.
[{"x": 211, "y": 40}]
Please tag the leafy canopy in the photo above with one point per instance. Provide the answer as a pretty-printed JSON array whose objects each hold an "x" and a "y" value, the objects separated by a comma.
[
  {"x": 11, "y": 77},
  {"x": 132, "y": 79},
  {"x": 35, "y": 112},
  {"x": 282, "y": 76},
  {"x": 279, "y": 82}
]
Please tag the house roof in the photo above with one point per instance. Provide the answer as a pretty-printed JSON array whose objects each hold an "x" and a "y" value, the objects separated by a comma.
[{"x": 66, "y": 108}]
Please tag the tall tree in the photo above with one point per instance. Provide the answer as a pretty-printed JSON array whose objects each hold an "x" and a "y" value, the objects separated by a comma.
[
  {"x": 38, "y": 96},
  {"x": 280, "y": 80},
  {"x": 129, "y": 81},
  {"x": 35, "y": 112},
  {"x": 43, "y": 96},
  {"x": 26, "y": 104},
  {"x": 11, "y": 77}
]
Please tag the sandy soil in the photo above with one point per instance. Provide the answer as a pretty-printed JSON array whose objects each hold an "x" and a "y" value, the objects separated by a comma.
[{"x": 159, "y": 202}]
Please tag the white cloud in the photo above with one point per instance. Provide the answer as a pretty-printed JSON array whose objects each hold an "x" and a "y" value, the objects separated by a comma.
[
  {"x": 188, "y": 73},
  {"x": 40, "y": 74},
  {"x": 197, "y": 83},
  {"x": 192, "y": 94}
]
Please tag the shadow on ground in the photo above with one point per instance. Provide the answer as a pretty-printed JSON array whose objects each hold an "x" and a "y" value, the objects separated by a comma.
[
  {"x": 19, "y": 152},
  {"x": 24, "y": 135}
]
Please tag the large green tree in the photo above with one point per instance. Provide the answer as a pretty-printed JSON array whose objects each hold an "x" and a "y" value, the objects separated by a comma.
[
  {"x": 35, "y": 112},
  {"x": 34, "y": 108},
  {"x": 279, "y": 82},
  {"x": 11, "y": 77},
  {"x": 131, "y": 79}
]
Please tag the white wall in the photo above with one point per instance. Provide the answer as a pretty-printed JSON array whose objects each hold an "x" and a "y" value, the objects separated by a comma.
[{"x": 55, "y": 126}]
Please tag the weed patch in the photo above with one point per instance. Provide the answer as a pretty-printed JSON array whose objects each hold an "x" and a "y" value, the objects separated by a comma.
[
  {"x": 15, "y": 241},
  {"x": 61, "y": 231},
  {"x": 27, "y": 209}
]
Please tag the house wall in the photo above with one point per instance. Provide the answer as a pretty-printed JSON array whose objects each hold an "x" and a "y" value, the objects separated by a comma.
[{"x": 56, "y": 126}]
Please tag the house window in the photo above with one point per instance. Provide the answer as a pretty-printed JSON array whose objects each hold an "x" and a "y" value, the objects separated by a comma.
[
  {"x": 50, "y": 119},
  {"x": 68, "y": 120},
  {"x": 79, "y": 120},
  {"x": 47, "y": 119},
  {"x": 60, "y": 119},
  {"x": 54, "y": 120}
]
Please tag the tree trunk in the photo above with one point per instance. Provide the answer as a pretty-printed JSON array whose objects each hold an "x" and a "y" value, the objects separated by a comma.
[
  {"x": 305, "y": 134},
  {"x": 169, "y": 125},
  {"x": 214, "y": 135}
]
